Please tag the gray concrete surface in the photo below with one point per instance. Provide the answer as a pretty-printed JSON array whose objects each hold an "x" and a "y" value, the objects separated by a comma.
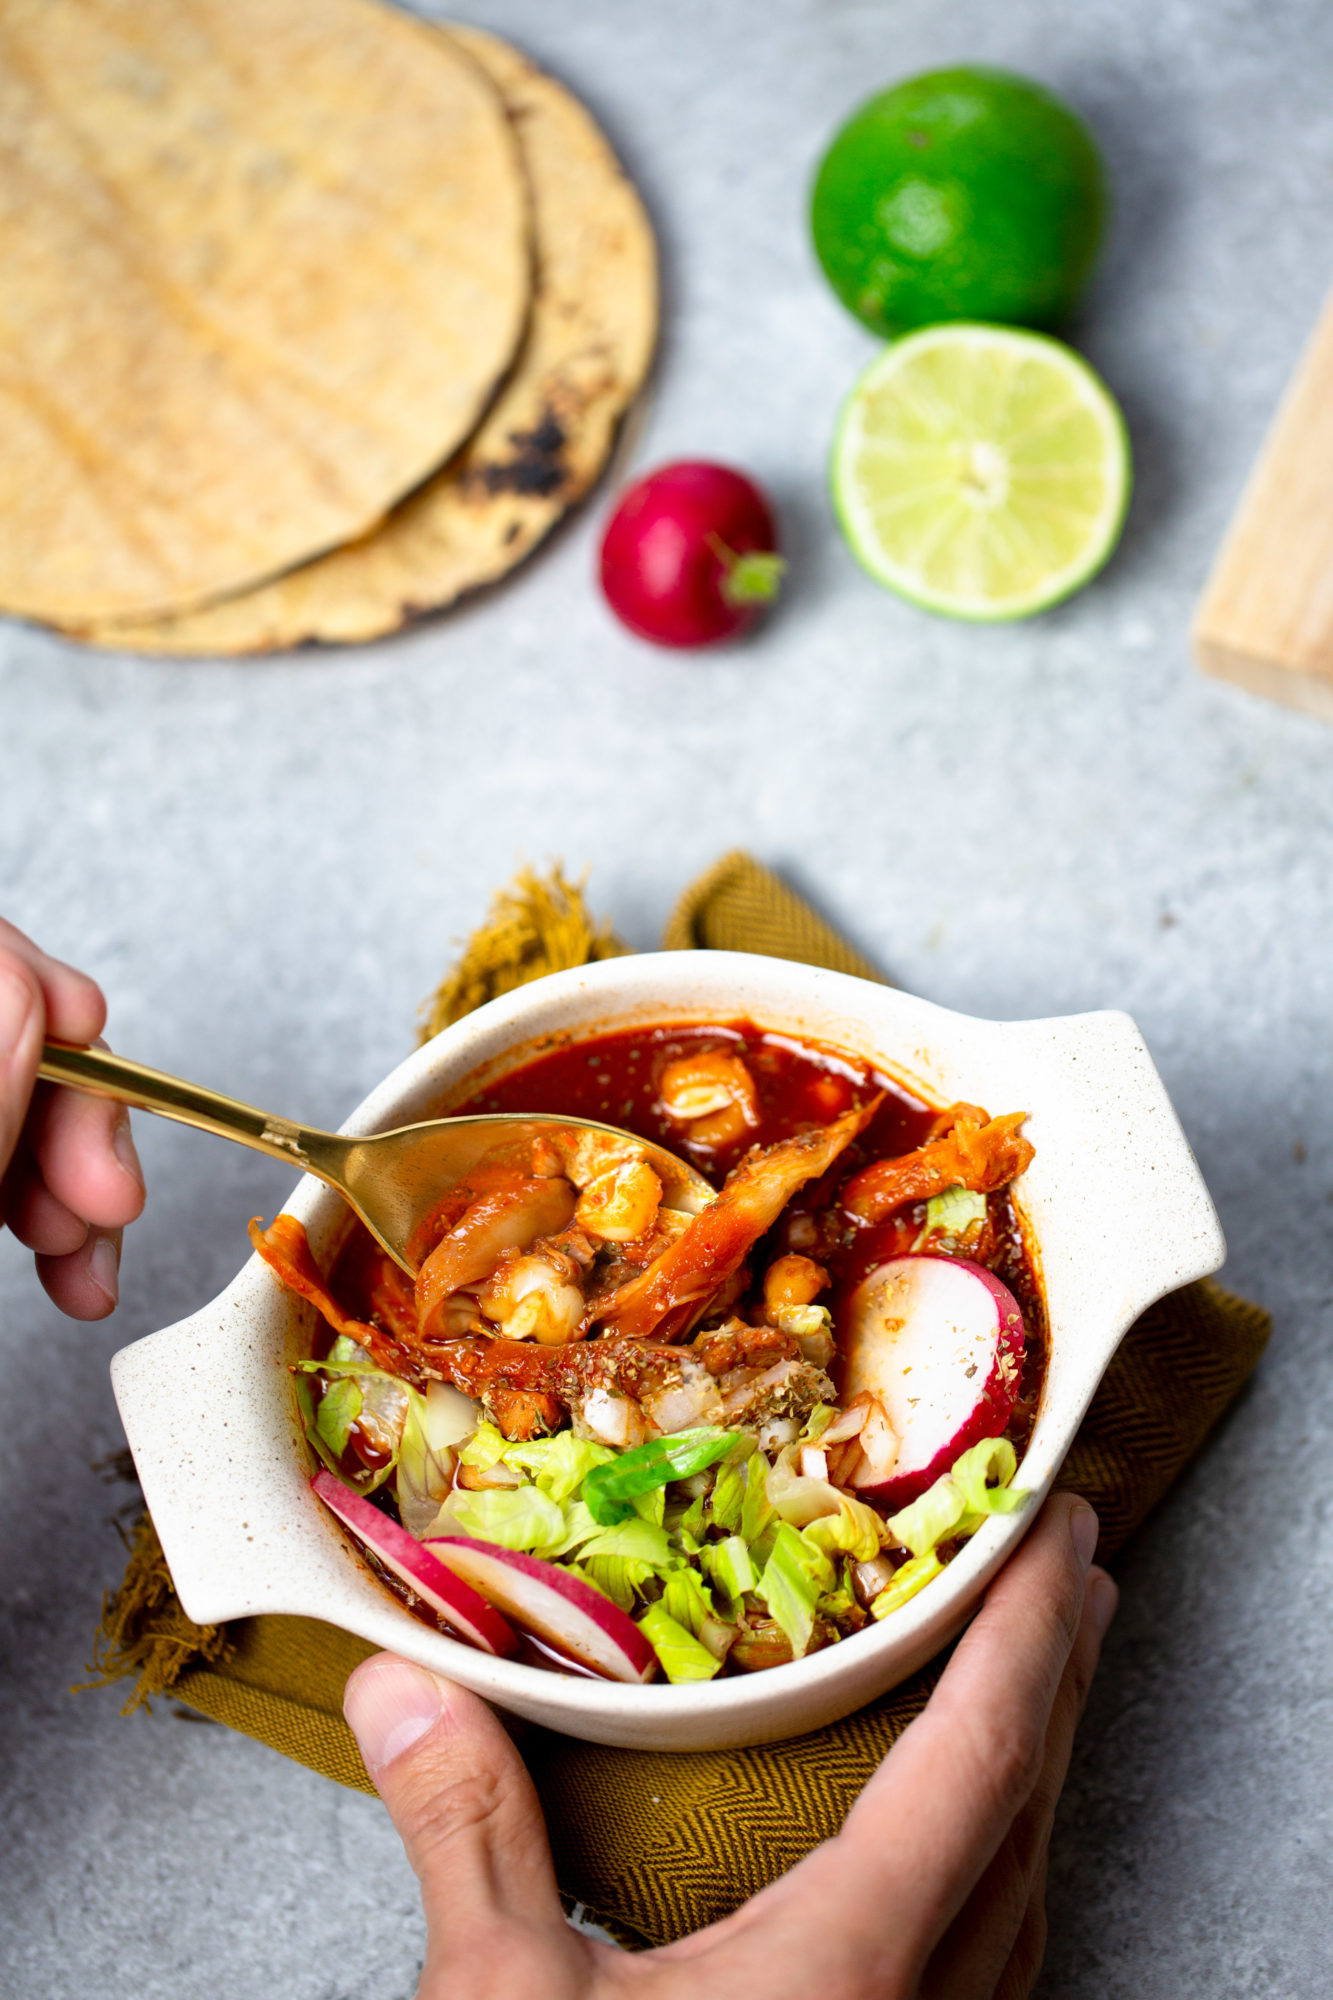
[{"x": 266, "y": 865}]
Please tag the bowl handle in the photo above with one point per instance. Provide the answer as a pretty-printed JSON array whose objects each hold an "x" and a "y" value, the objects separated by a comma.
[
  {"x": 211, "y": 1420},
  {"x": 1134, "y": 1210}
]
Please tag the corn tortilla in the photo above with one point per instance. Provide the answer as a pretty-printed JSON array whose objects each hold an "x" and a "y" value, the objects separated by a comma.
[
  {"x": 539, "y": 449},
  {"x": 262, "y": 264}
]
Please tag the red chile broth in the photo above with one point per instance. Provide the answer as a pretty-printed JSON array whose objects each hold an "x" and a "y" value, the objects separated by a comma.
[{"x": 614, "y": 1078}]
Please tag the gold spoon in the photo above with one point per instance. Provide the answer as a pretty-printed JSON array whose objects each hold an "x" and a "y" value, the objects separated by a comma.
[{"x": 392, "y": 1180}]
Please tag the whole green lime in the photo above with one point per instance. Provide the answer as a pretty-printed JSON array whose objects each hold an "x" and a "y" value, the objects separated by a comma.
[{"x": 962, "y": 194}]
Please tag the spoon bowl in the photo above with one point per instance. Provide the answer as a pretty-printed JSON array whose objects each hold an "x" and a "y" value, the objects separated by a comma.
[{"x": 391, "y": 1180}]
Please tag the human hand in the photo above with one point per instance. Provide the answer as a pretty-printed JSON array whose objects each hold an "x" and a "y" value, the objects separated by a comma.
[
  {"x": 70, "y": 1178},
  {"x": 933, "y": 1890}
]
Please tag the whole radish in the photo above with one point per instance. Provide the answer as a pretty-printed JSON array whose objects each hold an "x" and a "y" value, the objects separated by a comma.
[{"x": 690, "y": 555}]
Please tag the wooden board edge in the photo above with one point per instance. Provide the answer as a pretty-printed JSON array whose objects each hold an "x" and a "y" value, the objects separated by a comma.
[{"x": 1276, "y": 680}]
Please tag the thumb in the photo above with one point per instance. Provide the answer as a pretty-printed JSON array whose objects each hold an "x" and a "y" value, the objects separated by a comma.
[{"x": 460, "y": 1796}]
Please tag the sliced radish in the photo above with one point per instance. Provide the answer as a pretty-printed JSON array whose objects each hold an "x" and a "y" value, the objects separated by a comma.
[
  {"x": 470, "y": 1615},
  {"x": 542, "y": 1655},
  {"x": 553, "y": 1605},
  {"x": 939, "y": 1343}
]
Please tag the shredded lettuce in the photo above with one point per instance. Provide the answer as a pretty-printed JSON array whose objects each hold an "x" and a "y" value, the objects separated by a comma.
[
  {"x": 639, "y": 1541},
  {"x": 691, "y": 1526},
  {"x": 618, "y": 1577},
  {"x": 728, "y": 1567},
  {"x": 839, "y": 1602},
  {"x": 976, "y": 1485},
  {"x": 333, "y": 1368},
  {"x": 517, "y": 1517},
  {"x": 913, "y": 1576},
  {"x": 834, "y": 1520},
  {"x": 485, "y": 1448},
  {"x": 357, "y": 1391},
  {"x": 384, "y": 1396},
  {"x": 339, "y": 1408},
  {"x": 794, "y": 1578},
  {"x": 853, "y": 1531},
  {"x": 651, "y": 1506},
  {"x": 687, "y": 1600},
  {"x": 758, "y": 1520},
  {"x": 817, "y": 1423},
  {"x": 305, "y": 1403},
  {"x": 982, "y": 1476},
  {"x": 558, "y": 1465},
  {"x": 727, "y": 1497},
  {"x": 681, "y": 1655},
  {"x": 425, "y": 1469},
  {"x": 949, "y": 1217},
  {"x": 936, "y": 1517},
  {"x": 723, "y": 1506},
  {"x": 700, "y": 1522},
  {"x": 579, "y": 1528}
]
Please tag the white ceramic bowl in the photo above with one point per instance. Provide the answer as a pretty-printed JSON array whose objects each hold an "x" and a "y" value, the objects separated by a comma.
[{"x": 1114, "y": 1200}]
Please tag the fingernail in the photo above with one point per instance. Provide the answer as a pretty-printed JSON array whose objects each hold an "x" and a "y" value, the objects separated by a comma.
[
  {"x": 1084, "y": 1526},
  {"x": 122, "y": 1143},
  {"x": 104, "y": 1268},
  {"x": 15, "y": 1007},
  {"x": 1102, "y": 1603},
  {"x": 389, "y": 1705}
]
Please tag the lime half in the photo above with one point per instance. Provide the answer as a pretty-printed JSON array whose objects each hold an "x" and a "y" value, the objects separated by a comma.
[{"x": 981, "y": 472}]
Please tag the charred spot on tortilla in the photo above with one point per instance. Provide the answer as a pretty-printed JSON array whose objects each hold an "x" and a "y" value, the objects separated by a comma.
[{"x": 537, "y": 465}]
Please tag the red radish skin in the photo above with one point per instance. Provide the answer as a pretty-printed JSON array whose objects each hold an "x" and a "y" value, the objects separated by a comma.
[
  {"x": 439, "y": 1586},
  {"x": 690, "y": 555},
  {"x": 940, "y": 1342},
  {"x": 553, "y": 1605}
]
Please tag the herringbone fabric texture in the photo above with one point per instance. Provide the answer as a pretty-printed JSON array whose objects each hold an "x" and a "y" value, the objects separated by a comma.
[
  {"x": 739, "y": 906},
  {"x": 657, "y": 1845}
]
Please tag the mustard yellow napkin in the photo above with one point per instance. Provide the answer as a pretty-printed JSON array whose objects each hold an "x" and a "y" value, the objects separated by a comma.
[{"x": 654, "y": 1844}]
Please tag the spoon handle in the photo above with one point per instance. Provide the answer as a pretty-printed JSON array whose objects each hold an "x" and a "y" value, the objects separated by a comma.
[{"x": 102, "y": 1074}]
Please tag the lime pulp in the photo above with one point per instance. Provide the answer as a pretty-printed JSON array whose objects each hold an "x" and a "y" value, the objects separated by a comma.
[{"x": 980, "y": 471}]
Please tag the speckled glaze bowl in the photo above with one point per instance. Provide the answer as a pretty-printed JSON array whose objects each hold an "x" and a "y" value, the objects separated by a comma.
[{"x": 1114, "y": 1202}]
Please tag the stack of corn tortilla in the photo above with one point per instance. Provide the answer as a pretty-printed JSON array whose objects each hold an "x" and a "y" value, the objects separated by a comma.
[{"x": 313, "y": 317}]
